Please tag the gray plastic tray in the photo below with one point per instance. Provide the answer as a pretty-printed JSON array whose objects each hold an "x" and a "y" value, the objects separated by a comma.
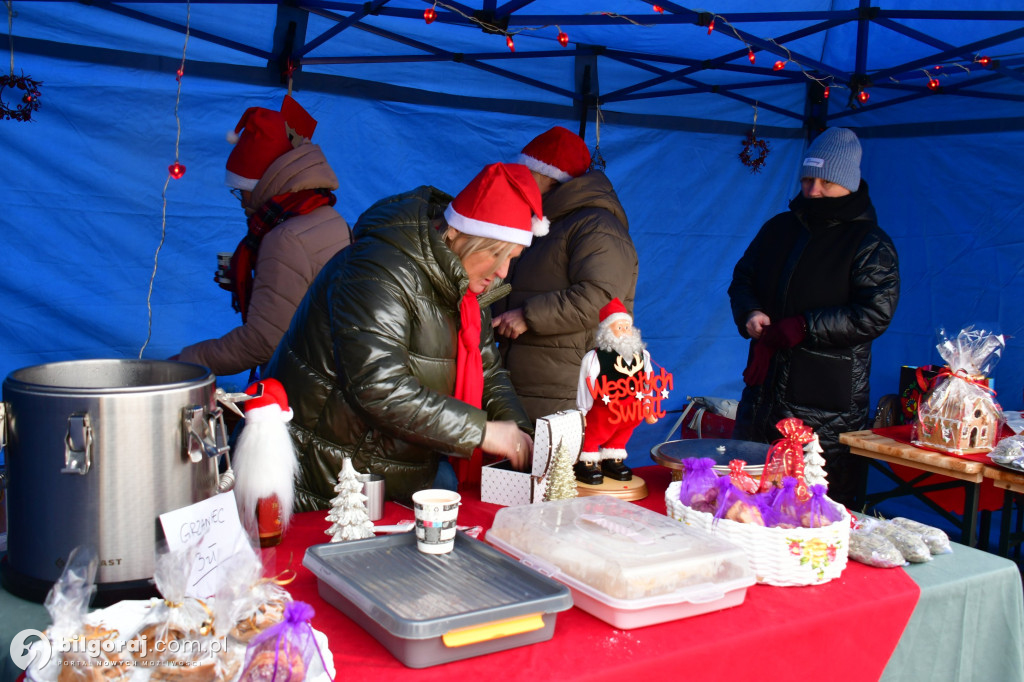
[{"x": 409, "y": 600}]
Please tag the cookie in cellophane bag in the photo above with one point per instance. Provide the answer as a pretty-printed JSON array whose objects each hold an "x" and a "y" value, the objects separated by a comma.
[
  {"x": 181, "y": 638},
  {"x": 959, "y": 414},
  {"x": 255, "y": 602},
  {"x": 81, "y": 651}
]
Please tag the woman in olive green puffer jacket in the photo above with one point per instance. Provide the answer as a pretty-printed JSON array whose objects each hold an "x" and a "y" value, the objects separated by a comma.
[{"x": 369, "y": 362}]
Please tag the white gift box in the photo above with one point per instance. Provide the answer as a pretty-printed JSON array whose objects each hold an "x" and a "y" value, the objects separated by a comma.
[{"x": 501, "y": 484}]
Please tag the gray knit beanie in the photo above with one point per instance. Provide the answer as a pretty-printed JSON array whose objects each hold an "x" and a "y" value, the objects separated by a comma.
[{"x": 834, "y": 156}]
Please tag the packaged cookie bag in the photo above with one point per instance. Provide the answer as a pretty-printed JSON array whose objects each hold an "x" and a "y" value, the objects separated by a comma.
[
  {"x": 255, "y": 602},
  {"x": 960, "y": 415},
  {"x": 83, "y": 652},
  {"x": 179, "y": 638}
]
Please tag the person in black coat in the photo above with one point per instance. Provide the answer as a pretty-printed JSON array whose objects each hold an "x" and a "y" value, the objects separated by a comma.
[{"x": 814, "y": 288}]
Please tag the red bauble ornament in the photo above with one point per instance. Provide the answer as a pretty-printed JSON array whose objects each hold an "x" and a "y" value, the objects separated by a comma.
[
  {"x": 779, "y": 65},
  {"x": 750, "y": 56},
  {"x": 933, "y": 83},
  {"x": 863, "y": 96},
  {"x": 511, "y": 45},
  {"x": 429, "y": 15},
  {"x": 176, "y": 170},
  {"x": 563, "y": 38}
]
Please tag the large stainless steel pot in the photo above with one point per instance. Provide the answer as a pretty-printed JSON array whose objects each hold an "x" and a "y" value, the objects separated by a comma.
[{"x": 96, "y": 450}]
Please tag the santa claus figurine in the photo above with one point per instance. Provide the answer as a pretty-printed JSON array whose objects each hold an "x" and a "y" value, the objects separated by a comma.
[
  {"x": 265, "y": 462},
  {"x": 615, "y": 395}
]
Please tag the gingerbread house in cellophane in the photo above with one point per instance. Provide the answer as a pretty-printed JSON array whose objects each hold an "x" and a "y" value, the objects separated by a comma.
[{"x": 960, "y": 414}]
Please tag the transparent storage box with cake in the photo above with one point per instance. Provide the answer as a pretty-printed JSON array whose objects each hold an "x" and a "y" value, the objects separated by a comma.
[{"x": 626, "y": 565}]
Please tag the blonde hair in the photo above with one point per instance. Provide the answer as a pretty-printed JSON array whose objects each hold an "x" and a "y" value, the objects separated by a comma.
[{"x": 470, "y": 244}]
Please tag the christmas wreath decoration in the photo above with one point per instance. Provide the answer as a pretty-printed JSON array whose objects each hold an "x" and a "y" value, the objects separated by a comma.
[
  {"x": 29, "y": 101},
  {"x": 754, "y": 153}
]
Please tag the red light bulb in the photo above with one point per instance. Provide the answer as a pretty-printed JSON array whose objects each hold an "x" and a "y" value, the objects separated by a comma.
[
  {"x": 863, "y": 96},
  {"x": 180, "y": 73},
  {"x": 176, "y": 170},
  {"x": 779, "y": 65},
  {"x": 984, "y": 61},
  {"x": 429, "y": 15},
  {"x": 750, "y": 56},
  {"x": 511, "y": 45},
  {"x": 933, "y": 83},
  {"x": 563, "y": 38},
  {"x": 711, "y": 26},
  {"x": 659, "y": 9},
  {"x": 825, "y": 93}
]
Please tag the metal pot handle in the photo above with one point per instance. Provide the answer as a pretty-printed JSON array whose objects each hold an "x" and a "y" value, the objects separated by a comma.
[
  {"x": 205, "y": 434},
  {"x": 78, "y": 445}
]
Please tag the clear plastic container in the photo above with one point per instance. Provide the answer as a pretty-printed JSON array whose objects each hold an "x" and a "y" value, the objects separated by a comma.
[{"x": 627, "y": 565}]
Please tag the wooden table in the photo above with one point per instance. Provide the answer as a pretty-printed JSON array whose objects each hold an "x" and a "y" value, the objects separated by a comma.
[
  {"x": 966, "y": 473},
  {"x": 1013, "y": 485}
]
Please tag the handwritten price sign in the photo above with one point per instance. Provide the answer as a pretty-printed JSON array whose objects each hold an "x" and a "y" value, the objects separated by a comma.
[{"x": 213, "y": 527}]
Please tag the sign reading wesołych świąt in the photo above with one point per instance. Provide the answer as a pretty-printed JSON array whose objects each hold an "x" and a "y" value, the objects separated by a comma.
[{"x": 212, "y": 526}]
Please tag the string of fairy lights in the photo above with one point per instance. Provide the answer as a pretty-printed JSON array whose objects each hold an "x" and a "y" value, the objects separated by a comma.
[
  {"x": 859, "y": 92},
  {"x": 175, "y": 171}
]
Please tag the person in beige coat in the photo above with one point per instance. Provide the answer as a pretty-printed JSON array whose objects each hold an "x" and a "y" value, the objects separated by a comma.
[
  {"x": 561, "y": 282},
  {"x": 286, "y": 187}
]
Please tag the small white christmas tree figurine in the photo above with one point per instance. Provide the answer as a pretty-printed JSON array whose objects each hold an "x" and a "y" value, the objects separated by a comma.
[
  {"x": 349, "y": 518},
  {"x": 562, "y": 479},
  {"x": 814, "y": 463}
]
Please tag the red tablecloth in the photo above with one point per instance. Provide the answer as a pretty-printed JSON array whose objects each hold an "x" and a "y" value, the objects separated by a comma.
[{"x": 844, "y": 630}]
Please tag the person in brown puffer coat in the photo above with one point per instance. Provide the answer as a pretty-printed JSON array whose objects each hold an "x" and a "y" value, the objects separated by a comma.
[
  {"x": 286, "y": 188},
  {"x": 561, "y": 282}
]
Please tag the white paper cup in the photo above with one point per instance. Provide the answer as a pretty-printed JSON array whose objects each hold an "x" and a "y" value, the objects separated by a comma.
[{"x": 436, "y": 513}]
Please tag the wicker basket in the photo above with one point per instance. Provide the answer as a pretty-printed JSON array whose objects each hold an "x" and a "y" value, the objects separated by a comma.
[{"x": 779, "y": 556}]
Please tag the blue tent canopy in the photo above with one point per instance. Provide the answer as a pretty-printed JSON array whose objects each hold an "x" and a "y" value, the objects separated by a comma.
[{"x": 103, "y": 254}]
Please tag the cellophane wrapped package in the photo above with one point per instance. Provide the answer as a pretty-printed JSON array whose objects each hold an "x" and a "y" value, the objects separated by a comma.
[
  {"x": 179, "y": 638},
  {"x": 960, "y": 414},
  {"x": 1009, "y": 452},
  {"x": 869, "y": 546},
  {"x": 255, "y": 602},
  {"x": 82, "y": 656}
]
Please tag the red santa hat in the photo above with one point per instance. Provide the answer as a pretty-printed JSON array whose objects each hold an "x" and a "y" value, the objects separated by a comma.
[
  {"x": 557, "y": 153},
  {"x": 502, "y": 202},
  {"x": 614, "y": 311},
  {"x": 261, "y": 137},
  {"x": 271, "y": 401}
]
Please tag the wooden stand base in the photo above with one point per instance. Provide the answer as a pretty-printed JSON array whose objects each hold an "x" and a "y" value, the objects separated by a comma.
[{"x": 634, "y": 489}]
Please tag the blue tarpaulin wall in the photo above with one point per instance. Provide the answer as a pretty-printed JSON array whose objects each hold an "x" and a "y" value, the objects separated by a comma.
[{"x": 103, "y": 255}]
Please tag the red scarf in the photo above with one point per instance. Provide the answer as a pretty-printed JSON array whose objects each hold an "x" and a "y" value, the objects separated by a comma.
[
  {"x": 469, "y": 377},
  {"x": 268, "y": 216}
]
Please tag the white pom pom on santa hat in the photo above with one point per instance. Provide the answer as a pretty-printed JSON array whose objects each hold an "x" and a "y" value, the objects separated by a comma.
[
  {"x": 270, "y": 401},
  {"x": 232, "y": 137}
]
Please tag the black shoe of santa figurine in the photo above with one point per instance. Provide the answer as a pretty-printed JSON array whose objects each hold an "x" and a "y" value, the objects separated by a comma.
[
  {"x": 616, "y": 470},
  {"x": 588, "y": 472}
]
